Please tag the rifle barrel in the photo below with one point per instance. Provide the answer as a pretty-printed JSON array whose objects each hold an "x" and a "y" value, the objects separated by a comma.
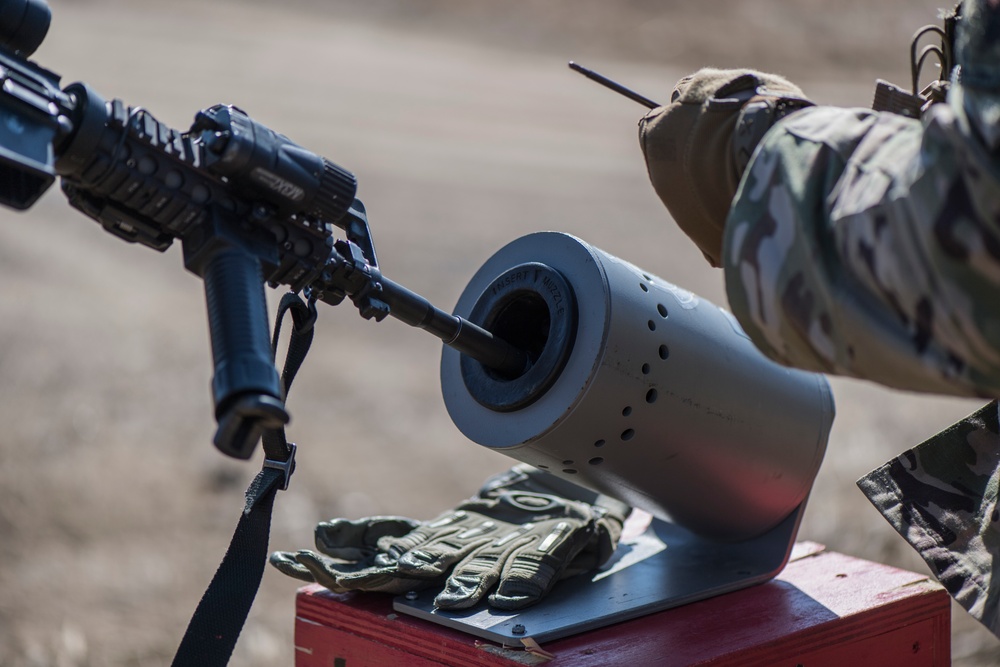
[{"x": 456, "y": 332}]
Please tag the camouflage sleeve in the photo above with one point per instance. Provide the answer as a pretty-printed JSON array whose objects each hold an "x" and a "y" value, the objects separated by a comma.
[
  {"x": 942, "y": 498},
  {"x": 865, "y": 244},
  {"x": 868, "y": 245}
]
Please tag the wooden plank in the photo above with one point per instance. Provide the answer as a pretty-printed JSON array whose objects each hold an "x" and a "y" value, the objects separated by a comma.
[{"x": 824, "y": 609}]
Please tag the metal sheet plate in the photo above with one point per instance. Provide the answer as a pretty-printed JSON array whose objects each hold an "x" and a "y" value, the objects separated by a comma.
[{"x": 665, "y": 566}]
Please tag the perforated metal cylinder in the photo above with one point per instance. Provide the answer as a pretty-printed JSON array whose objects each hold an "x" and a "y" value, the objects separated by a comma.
[{"x": 661, "y": 401}]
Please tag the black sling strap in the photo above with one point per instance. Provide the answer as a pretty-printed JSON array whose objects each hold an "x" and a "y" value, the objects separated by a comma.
[{"x": 216, "y": 624}]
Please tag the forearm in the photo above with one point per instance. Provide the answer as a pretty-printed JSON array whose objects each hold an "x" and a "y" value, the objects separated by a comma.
[{"x": 860, "y": 244}]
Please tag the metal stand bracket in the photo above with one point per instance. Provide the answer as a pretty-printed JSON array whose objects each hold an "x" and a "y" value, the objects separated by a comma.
[{"x": 665, "y": 566}]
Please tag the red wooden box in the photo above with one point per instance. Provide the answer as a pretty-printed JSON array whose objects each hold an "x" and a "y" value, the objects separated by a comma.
[{"x": 824, "y": 610}]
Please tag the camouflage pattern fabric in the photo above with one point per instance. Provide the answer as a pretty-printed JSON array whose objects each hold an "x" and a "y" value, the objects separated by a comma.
[
  {"x": 942, "y": 498},
  {"x": 867, "y": 244}
]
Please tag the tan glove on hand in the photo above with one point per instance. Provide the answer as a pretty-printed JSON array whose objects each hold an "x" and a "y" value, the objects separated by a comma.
[{"x": 697, "y": 146}]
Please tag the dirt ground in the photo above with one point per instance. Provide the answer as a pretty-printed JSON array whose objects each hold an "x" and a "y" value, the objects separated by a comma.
[{"x": 466, "y": 131}]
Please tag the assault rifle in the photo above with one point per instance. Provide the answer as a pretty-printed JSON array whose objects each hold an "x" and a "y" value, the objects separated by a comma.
[{"x": 247, "y": 204}]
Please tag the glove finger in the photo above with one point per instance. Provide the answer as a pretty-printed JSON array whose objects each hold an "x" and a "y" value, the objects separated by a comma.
[
  {"x": 369, "y": 579},
  {"x": 607, "y": 533},
  {"x": 358, "y": 540},
  {"x": 324, "y": 571},
  {"x": 479, "y": 572},
  {"x": 393, "y": 547},
  {"x": 605, "y": 541},
  {"x": 335, "y": 577},
  {"x": 531, "y": 571},
  {"x": 437, "y": 556},
  {"x": 285, "y": 562},
  {"x": 680, "y": 88}
]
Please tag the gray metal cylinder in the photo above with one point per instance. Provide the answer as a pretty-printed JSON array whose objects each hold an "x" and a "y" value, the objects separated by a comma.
[{"x": 661, "y": 401}]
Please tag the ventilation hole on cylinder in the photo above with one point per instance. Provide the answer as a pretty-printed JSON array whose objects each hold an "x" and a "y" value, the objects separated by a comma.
[
  {"x": 628, "y": 434},
  {"x": 627, "y": 411},
  {"x": 652, "y": 325},
  {"x": 600, "y": 443},
  {"x": 643, "y": 287},
  {"x": 645, "y": 369},
  {"x": 569, "y": 471},
  {"x": 664, "y": 352},
  {"x": 647, "y": 277},
  {"x": 651, "y": 396},
  {"x": 543, "y": 467},
  {"x": 596, "y": 461},
  {"x": 661, "y": 309},
  {"x": 568, "y": 462}
]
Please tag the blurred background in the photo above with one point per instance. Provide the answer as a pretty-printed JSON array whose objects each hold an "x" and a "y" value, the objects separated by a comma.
[{"x": 466, "y": 130}]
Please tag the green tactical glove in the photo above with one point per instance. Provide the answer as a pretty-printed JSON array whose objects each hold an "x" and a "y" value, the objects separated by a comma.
[
  {"x": 519, "y": 535},
  {"x": 697, "y": 146}
]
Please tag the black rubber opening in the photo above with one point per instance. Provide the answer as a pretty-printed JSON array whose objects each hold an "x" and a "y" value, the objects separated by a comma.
[
  {"x": 532, "y": 307},
  {"x": 524, "y": 322}
]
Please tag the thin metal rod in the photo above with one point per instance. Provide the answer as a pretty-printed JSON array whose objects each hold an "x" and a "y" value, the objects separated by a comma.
[{"x": 614, "y": 85}]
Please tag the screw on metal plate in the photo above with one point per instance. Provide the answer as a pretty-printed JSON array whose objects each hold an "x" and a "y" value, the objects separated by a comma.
[
  {"x": 411, "y": 595},
  {"x": 518, "y": 629}
]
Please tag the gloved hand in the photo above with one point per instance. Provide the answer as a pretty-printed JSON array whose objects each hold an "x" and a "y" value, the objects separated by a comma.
[
  {"x": 519, "y": 535},
  {"x": 697, "y": 146}
]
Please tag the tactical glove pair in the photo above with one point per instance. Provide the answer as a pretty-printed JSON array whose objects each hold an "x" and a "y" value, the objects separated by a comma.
[
  {"x": 524, "y": 531},
  {"x": 697, "y": 146}
]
